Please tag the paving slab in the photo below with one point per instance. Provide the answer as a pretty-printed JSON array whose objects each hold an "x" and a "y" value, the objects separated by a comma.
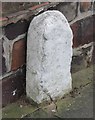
[
  {"x": 40, "y": 113},
  {"x": 83, "y": 77},
  {"x": 79, "y": 107}
]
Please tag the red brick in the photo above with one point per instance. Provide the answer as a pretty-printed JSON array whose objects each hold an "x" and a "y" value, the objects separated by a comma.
[
  {"x": 38, "y": 6},
  {"x": 16, "y": 6},
  {"x": 3, "y": 19},
  {"x": 18, "y": 54},
  {"x": 76, "y": 33},
  {"x": 83, "y": 31},
  {"x": 85, "y": 6}
]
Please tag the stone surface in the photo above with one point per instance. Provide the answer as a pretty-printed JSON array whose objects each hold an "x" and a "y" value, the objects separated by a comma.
[
  {"x": 49, "y": 55},
  {"x": 79, "y": 107},
  {"x": 40, "y": 113}
]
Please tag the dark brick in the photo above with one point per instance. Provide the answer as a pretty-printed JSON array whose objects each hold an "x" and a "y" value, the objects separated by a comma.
[
  {"x": 76, "y": 28},
  {"x": 18, "y": 54},
  {"x": 9, "y": 84},
  {"x": 83, "y": 31},
  {"x": 87, "y": 30},
  {"x": 14, "y": 29},
  {"x": 3, "y": 65},
  {"x": 69, "y": 9}
]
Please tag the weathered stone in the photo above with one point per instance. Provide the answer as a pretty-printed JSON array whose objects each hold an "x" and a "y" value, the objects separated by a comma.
[{"x": 49, "y": 55}]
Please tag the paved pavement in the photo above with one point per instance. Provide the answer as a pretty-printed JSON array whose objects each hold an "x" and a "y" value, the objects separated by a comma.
[{"x": 77, "y": 104}]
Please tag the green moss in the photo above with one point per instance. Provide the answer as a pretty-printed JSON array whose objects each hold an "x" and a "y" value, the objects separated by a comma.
[
  {"x": 17, "y": 111},
  {"x": 82, "y": 77}
]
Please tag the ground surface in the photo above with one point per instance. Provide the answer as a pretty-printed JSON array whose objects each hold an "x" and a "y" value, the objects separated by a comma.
[{"x": 77, "y": 104}]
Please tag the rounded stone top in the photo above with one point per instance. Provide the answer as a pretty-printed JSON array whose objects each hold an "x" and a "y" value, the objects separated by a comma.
[{"x": 52, "y": 20}]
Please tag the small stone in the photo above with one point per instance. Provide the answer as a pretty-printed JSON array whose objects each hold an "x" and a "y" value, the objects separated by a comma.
[{"x": 21, "y": 106}]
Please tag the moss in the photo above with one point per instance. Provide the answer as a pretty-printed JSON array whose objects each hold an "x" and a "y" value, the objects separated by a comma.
[
  {"x": 82, "y": 77},
  {"x": 17, "y": 111}
]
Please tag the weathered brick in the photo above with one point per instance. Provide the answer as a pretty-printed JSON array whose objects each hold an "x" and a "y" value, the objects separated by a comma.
[
  {"x": 83, "y": 31},
  {"x": 94, "y": 28},
  {"x": 76, "y": 28},
  {"x": 3, "y": 65},
  {"x": 16, "y": 6},
  {"x": 13, "y": 87},
  {"x": 18, "y": 54},
  {"x": 85, "y": 6},
  {"x": 69, "y": 9},
  {"x": 38, "y": 6},
  {"x": 14, "y": 29},
  {"x": 87, "y": 30}
]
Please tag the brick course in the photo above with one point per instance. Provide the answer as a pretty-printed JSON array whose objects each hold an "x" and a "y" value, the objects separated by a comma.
[
  {"x": 83, "y": 31},
  {"x": 18, "y": 54}
]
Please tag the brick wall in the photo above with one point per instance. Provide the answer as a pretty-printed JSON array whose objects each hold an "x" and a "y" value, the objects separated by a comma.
[{"x": 13, "y": 40}]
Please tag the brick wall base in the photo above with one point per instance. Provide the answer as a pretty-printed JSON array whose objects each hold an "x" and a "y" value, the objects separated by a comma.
[
  {"x": 13, "y": 86},
  {"x": 15, "y": 26}
]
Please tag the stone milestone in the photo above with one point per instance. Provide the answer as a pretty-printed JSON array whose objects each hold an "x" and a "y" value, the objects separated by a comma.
[{"x": 49, "y": 56}]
